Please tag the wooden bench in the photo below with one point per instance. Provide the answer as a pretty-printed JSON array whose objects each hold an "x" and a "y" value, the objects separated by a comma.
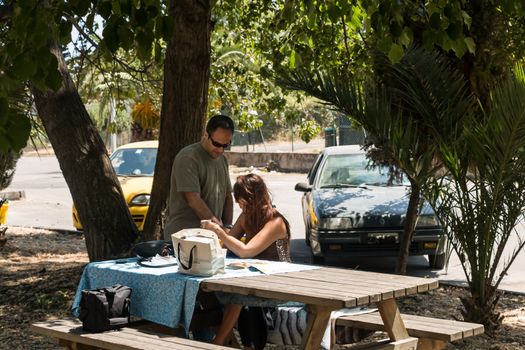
[
  {"x": 70, "y": 335},
  {"x": 433, "y": 333}
]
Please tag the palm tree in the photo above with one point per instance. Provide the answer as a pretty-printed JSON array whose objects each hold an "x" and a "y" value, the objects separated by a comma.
[
  {"x": 396, "y": 121},
  {"x": 468, "y": 166},
  {"x": 484, "y": 198}
]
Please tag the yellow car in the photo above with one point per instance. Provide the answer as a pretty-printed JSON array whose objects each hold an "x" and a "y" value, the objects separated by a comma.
[
  {"x": 134, "y": 165},
  {"x": 4, "y": 205}
]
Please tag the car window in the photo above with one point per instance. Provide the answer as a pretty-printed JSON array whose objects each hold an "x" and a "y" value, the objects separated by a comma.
[
  {"x": 352, "y": 170},
  {"x": 313, "y": 170},
  {"x": 134, "y": 161}
]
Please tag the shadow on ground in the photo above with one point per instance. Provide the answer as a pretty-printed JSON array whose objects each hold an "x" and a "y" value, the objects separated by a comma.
[{"x": 417, "y": 265}]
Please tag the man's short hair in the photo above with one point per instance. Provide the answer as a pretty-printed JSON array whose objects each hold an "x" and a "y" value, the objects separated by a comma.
[{"x": 219, "y": 121}]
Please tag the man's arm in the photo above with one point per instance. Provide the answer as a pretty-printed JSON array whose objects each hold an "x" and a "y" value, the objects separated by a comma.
[
  {"x": 199, "y": 207},
  {"x": 227, "y": 210}
]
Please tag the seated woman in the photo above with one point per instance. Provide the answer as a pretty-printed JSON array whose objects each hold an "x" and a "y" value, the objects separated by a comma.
[{"x": 267, "y": 237}]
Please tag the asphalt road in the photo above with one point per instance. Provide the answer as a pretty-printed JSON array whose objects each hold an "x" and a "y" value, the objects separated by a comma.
[{"x": 48, "y": 203}]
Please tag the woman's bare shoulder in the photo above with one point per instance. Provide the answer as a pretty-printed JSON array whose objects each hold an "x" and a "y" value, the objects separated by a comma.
[{"x": 277, "y": 224}]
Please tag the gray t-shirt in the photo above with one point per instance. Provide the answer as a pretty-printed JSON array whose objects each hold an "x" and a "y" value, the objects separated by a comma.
[{"x": 194, "y": 170}]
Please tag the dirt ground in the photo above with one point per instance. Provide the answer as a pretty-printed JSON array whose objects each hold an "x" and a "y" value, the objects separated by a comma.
[{"x": 39, "y": 272}]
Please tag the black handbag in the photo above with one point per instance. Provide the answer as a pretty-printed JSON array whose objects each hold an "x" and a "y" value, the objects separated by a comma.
[{"x": 105, "y": 308}]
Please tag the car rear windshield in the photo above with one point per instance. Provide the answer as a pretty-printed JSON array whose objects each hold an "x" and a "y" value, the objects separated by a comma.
[
  {"x": 134, "y": 161},
  {"x": 354, "y": 170}
]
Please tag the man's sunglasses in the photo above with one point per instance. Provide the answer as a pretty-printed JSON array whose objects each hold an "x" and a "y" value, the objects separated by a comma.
[{"x": 218, "y": 144}]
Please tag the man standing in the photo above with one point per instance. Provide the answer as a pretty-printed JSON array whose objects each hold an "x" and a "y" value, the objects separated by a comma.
[{"x": 200, "y": 181}]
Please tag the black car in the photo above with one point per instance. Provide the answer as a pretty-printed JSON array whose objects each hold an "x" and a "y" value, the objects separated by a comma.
[{"x": 351, "y": 209}]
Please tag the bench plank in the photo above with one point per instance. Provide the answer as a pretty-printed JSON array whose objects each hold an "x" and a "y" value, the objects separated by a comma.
[
  {"x": 126, "y": 338},
  {"x": 417, "y": 326}
]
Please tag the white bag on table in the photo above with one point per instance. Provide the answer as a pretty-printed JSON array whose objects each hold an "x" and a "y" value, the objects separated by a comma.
[{"x": 198, "y": 252}]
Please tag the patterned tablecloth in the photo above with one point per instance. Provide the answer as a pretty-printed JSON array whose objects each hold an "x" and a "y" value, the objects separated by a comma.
[{"x": 162, "y": 295}]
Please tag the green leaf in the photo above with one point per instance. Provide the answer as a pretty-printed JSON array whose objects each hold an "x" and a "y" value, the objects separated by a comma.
[
  {"x": 126, "y": 7},
  {"x": 140, "y": 17},
  {"x": 334, "y": 12},
  {"x": 4, "y": 144},
  {"x": 18, "y": 131},
  {"x": 471, "y": 45},
  {"x": 115, "y": 6},
  {"x": 292, "y": 59},
  {"x": 446, "y": 44},
  {"x": 385, "y": 44},
  {"x": 125, "y": 35},
  {"x": 459, "y": 47},
  {"x": 153, "y": 11},
  {"x": 384, "y": 8},
  {"x": 4, "y": 110},
  {"x": 82, "y": 7},
  {"x": 159, "y": 27},
  {"x": 406, "y": 36},
  {"x": 144, "y": 43},
  {"x": 64, "y": 32},
  {"x": 167, "y": 28},
  {"x": 375, "y": 22},
  {"x": 104, "y": 8},
  {"x": 24, "y": 67},
  {"x": 158, "y": 52},
  {"x": 312, "y": 19},
  {"x": 54, "y": 80},
  {"x": 110, "y": 34},
  {"x": 90, "y": 19},
  {"x": 449, "y": 11},
  {"x": 435, "y": 21},
  {"x": 287, "y": 13},
  {"x": 466, "y": 19},
  {"x": 39, "y": 78},
  {"x": 396, "y": 53},
  {"x": 395, "y": 30},
  {"x": 454, "y": 30},
  {"x": 429, "y": 39},
  {"x": 40, "y": 33}
]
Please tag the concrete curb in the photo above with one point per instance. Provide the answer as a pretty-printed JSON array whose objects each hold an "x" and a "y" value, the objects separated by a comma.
[
  {"x": 13, "y": 195},
  {"x": 59, "y": 230},
  {"x": 459, "y": 284}
]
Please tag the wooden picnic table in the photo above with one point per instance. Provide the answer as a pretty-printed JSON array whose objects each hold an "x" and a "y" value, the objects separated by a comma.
[
  {"x": 166, "y": 297},
  {"x": 327, "y": 289}
]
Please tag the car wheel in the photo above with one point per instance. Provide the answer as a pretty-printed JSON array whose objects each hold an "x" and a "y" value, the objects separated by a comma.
[
  {"x": 437, "y": 261},
  {"x": 317, "y": 259}
]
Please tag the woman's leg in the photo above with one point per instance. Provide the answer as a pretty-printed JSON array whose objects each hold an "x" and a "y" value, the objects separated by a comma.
[{"x": 229, "y": 318}]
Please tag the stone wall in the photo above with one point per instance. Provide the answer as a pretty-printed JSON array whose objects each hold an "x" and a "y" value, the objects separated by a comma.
[{"x": 281, "y": 161}]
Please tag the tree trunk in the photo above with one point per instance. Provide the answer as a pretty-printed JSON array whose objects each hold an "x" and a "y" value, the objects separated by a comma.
[
  {"x": 185, "y": 98},
  {"x": 409, "y": 229},
  {"x": 108, "y": 227}
]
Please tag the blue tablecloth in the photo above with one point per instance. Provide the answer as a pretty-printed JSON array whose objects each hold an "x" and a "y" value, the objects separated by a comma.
[{"x": 160, "y": 295}]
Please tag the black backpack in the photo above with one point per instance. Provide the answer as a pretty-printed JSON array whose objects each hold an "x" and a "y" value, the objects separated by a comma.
[{"x": 105, "y": 308}]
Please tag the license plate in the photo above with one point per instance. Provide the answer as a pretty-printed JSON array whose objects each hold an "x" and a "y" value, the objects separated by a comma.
[{"x": 383, "y": 238}]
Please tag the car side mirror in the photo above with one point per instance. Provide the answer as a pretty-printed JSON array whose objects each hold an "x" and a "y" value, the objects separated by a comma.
[{"x": 303, "y": 187}]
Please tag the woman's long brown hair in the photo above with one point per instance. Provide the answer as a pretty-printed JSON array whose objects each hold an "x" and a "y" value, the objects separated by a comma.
[{"x": 259, "y": 209}]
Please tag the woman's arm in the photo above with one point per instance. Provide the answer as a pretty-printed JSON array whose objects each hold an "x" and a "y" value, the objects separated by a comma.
[
  {"x": 237, "y": 231},
  {"x": 273, "y": 230}
]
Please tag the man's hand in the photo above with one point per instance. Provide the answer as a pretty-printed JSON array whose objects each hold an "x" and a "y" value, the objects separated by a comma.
[
  {"x": 213, "y": 226},
  {"x": 215, "y": 220}
]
